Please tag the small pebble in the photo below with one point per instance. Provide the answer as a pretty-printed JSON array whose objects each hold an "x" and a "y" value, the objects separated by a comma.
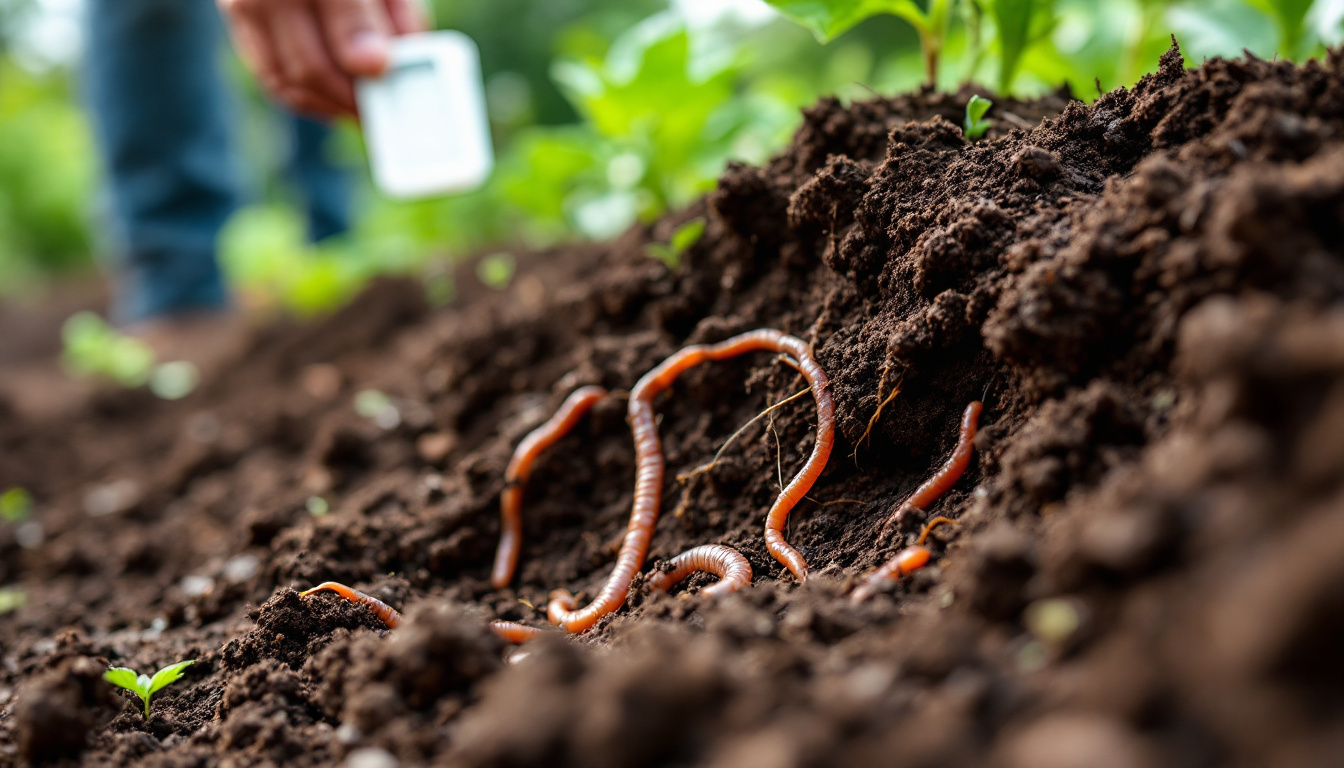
[{"x": 371, "y": 757}]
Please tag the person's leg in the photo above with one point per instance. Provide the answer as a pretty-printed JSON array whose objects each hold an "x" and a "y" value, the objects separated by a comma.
[
  {"x": 324, "y": 186},
  {"x": 161, "y": 115}
]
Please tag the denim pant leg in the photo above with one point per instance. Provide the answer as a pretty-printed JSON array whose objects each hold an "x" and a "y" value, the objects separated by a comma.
[
  {"x": 161, "y": 118},
  {"x": 323, "y": 185}
]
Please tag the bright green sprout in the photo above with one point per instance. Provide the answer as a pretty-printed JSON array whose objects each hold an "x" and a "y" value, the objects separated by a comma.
[
  {"x": 682, "y": 239},
  {"x": 16, "y": 505},
  {"x": 145, "y": 686},
  {"x": 974, "y": 126},
  {"x": 94, "y": 348},
  {"x": 496, "y": 270},
  {"x": 12, "y": 600}
]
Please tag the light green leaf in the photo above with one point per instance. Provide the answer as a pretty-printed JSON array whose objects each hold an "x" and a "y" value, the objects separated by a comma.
[
  {"x": 16, "y": 504},
  {"x": 973, "y": 127},
  {"x": 496, "y": 270},
  {"x": 686, "y": 235},
  {"x": 830, "y": 18},
  {"x": 1290, "y": 16},
  {"x": 1013, "y": 20},
  {"x": 123, "y": 677},
  {"x": 169, "y": 674}
]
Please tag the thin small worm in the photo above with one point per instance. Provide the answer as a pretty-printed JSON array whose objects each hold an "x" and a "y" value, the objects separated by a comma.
[
  {"x": 515, "y": 633},
  {"x": 905, "y": 562},
  {"x": 520, "y": 468},
  {"x": 728, "y": 564},
  {"x": 913, "y": 558},
  {"x": 383, "y": 611},
  {"x": 649, "y": 466},
  {"x": 950, "y": 472},
  {"x": 510, "y": 631}
]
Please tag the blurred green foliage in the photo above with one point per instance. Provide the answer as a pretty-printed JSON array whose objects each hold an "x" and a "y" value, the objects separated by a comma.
[
  {"x": 47, "y": 176},
  {"x": 609, "y": 112}
]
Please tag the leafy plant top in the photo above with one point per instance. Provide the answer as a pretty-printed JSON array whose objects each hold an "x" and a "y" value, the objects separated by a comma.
[
  {"x": 829, "y": 18},
  {"x": 145, "y": 686},
  {"x": 974, "y": 126}
]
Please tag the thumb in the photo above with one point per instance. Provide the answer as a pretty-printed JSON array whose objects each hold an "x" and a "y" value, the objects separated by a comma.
[{"x": 358, "y": 33}]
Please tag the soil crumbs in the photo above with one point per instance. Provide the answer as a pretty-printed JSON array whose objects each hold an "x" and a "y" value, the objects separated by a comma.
[{"x": 1147, "y": 566}]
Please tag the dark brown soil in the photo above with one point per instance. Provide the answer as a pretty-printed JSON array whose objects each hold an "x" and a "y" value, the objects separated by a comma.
[{"x": 1148, "y": 569}]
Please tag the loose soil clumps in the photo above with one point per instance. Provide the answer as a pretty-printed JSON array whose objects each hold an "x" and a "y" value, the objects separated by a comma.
[{"x": 1148, "y": 561}]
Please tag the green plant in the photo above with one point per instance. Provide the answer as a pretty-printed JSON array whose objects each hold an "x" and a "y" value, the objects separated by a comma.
[
  {"x": 828, "y": 18},
  {"x": 974, "y": 125},
  {"x": 496, "y": 270},
  {"x": 145, "y": 686},
  {"x": 16, "y": 504},
  {"x": 94, "y": 348},
  {"x": 1290, "y": 17},
  {"x": 12, "y": 600},
  {"x": 683, "y": 237},
  {"x": 1012, "y": 18}
]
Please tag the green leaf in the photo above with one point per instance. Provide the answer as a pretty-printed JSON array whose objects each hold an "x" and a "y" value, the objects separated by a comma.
[
  {"x": 16, "y": 504},
  {"x": 973, "y": 127},
  {"x": 169, "y": 675},
  {"x": 124, "y": 677},
  {"x": 1013, "y": 20},
  {"x": 687, "y": 235},
  {"x": 828, "y": 19},
  {"x": 1290, "y": 16},
  {"x": 496, "y": 270}
]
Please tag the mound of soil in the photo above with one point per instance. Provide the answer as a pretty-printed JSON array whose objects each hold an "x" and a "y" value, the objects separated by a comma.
[{"x": 1147, "y": 566}]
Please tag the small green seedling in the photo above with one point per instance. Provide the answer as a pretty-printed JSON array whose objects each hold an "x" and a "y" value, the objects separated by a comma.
[
  {"x": 684, "y": 237},
  {"x": 16, "y": 504},
  {"x": 496, "y": 270},
  {"x": 145, "y": 686},
  {"x": 974, "y": 126}
]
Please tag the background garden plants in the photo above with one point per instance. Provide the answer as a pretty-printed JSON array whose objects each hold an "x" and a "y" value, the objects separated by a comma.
[{"x": 604, "y": 113}]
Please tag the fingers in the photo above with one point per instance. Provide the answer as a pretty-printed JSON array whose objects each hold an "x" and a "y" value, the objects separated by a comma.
[
  {"x": 312, "y": 81},
  {"x": 253, "y": 42},
  {"x": 358, "y": 32},
  {"x": 408, "y": 16},
  {"x": 308, "y": 52}
]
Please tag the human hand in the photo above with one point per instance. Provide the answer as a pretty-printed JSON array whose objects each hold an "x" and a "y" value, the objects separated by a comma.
[{"x": 307, "y": 53}]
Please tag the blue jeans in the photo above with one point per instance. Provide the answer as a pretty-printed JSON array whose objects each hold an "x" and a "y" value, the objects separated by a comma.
[{"x": 162, "y": 116}]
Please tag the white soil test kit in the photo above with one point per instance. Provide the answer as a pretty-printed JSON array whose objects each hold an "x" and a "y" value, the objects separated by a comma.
[{"x": 424, "y": 121}]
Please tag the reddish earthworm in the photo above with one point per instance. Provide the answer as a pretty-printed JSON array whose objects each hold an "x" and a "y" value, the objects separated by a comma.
[
  {"x": 728, "y": 564},
  {"x": 520, "y": 467},
  {"x": 906, "y": 561},
  {"x": 650, "y": 466},
  {"x": 383, "y": 611},
  {"x": 515, "y": 633},
  {"x": 511, "y": 632},
  {"x": 950, "y": 472}
]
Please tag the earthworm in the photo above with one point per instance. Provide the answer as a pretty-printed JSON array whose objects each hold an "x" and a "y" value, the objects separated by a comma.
[
  {"x": 949, "y": 474},
  {"x": 728, "y": 564},
  {"x": 520, "y": 467},
  {"x": 649, "y": 466},
  {"x": 383, "y": 611},
  {"x": 513, "y": 632},
  {"x": 906, "y": 561}
]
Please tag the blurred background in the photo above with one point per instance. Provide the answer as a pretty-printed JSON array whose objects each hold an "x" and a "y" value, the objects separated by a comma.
[{"x": 604, "y": 113}]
